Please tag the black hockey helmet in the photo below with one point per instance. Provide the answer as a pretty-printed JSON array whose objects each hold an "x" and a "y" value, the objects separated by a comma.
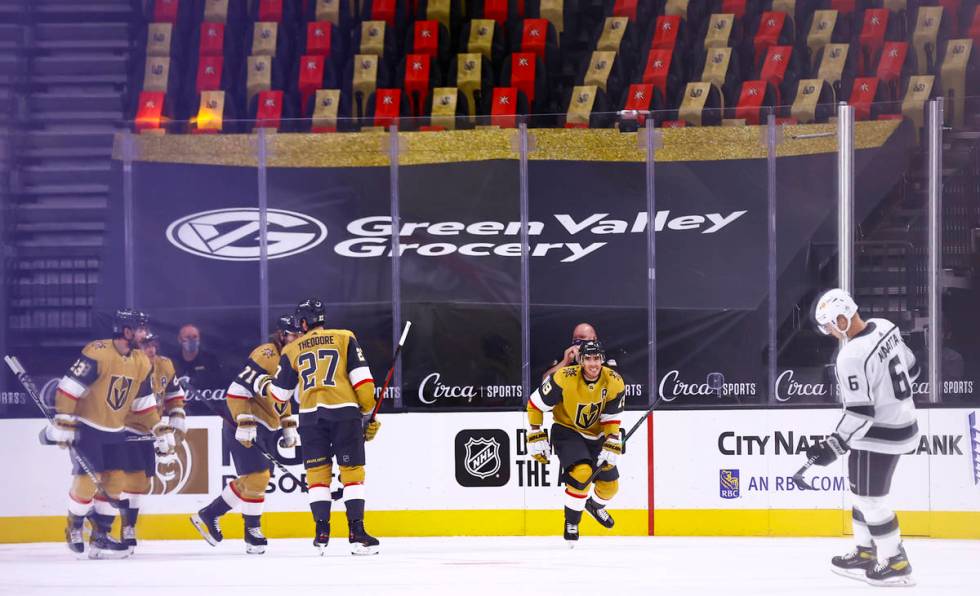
[
  {"x": 151, "y": 338},
  {"x": 590, "y": 348},
  {"x": 309, "y": 310},
  {"x": 287, "y": 324},
  {"x": 127, "y": 317}
]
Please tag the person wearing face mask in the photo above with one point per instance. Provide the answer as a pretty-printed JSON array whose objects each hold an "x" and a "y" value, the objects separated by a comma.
[{"x": 199, "y": 367}]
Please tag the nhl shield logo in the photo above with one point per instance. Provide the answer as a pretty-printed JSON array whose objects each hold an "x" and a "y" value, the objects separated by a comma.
[{"x": 482, "y": 457}]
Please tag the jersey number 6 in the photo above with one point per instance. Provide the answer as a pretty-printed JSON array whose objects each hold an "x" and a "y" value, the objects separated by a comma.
[
  {"x": 310, "y": 364},
  {"x": 900, "y": 384}
]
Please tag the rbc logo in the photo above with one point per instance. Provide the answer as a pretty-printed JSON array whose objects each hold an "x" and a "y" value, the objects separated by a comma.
[{"x": 728, "y": 484}]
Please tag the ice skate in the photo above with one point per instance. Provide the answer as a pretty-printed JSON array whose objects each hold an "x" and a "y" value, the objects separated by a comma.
[
  {"x": 322, "y": 538},
  {"x": 895, "y": 572},
  {"x": 255, "y": 541},
  {"x": 361, "y": 542},
  {"x": 599, "y": 513},
  {"x": 855, "y": 563},
  {"x": 207, "y": 525}
]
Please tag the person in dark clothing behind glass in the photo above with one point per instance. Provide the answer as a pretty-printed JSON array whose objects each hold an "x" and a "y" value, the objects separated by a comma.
[{"x": 201, "y": 368}]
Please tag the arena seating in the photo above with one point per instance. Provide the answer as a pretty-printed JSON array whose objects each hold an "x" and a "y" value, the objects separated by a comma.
[{"x": 739, "y": 59}]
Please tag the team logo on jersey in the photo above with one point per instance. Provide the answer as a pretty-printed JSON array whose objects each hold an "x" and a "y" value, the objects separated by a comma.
[
  {"x": 586, "y": 415},
  {"x": 728, "y": 484},
  {"x": 118, "y": 390},
  {"x": 482, "y": 457},
  {"x": 233, "y": 234}
]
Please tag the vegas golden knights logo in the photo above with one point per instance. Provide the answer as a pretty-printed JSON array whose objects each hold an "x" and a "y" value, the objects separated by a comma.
[
  {"x": 281, "y": 408},
  {"x": 118, "y": 390},
  {"x": 586, "y": 415}
]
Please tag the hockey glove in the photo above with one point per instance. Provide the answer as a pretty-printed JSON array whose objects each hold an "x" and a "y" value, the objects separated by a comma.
[
  {"x": 178, "y": 421},
  {"x": 371, "y": 429},
  {"x": 538, "y": 447},
  {"x": 611, "y": 450},
  {"x": 260, "y": 384},
  {"x": 61, "y": 431},
  {"x": 290, "y": 436},
  {"x": 826, "y": 452},
  {"x": 164, "y": 442},
  {"x": 246, "y": 431}
]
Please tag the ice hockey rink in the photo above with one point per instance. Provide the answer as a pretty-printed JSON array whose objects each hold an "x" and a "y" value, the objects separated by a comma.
[{"x": 514, "y": 565}]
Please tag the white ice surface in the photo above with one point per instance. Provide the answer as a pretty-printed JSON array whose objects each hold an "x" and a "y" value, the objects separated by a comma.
[{"x": 611, "y": 566}]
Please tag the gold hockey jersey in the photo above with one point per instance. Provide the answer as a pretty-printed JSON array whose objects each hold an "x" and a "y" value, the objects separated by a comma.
[
  {"x": 240, "y": 397},
  {"x": 103, "y": 387},
  {"x": 591, "y": 408},
  {"x": 163, "y": 379},
  {"x": 333, "y": 377},
  {"x": 169, "y": 394}
]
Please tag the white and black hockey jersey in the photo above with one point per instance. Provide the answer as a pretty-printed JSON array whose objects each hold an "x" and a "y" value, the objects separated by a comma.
[{"x": 875, "y": 370}]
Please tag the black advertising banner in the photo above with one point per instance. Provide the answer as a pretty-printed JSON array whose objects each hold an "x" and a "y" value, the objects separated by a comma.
[{"x": 330, "y": 234}]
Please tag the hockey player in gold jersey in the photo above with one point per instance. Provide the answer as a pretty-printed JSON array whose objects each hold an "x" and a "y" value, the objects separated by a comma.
[
  {"x": 141, "y": 460},
  {"x": 586, "y": 401},
  {"x": 108, "y": 381},
  {"x": 258, "y": 417},
  {"x": 336, "y": 390}
]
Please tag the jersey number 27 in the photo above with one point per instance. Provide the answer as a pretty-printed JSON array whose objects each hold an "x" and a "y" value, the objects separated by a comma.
[{"x": 310, "y": 363}]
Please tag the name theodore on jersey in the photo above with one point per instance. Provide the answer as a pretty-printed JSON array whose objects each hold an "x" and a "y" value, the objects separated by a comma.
[{"x": 372, "y": 234}]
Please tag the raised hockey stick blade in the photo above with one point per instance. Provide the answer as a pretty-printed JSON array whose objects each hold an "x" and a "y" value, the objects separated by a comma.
[
  {"x": 798, "y": 476},
  {"x": 28, "y": 383},
  {"x": 391, "y": 371},
  {"x": 188, "y": 388}
]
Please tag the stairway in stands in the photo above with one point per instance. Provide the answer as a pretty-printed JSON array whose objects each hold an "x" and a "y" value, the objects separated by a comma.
[
  {"x": 75, "y": 60},
  {"x": 891, "y": 259},
  {"x": 890, "y": 254}
]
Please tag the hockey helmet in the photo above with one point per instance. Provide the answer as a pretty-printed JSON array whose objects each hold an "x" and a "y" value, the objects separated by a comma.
[
  {"x": 287, "y": 324},
  {"x": 309, "y": 310},
  {"x": 590, "y": 348},
  {"x": 832, "y": 304},
  {"x": 126, "y": 317}
]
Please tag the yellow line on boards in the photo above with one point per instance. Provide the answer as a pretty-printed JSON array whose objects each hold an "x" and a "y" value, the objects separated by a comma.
[{"x": 516, "y": 522}]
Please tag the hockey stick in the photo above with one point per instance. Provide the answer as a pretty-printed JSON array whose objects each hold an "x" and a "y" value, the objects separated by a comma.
[
  {"x": 31, "y": 388},
  {"x": 186, "y": 386},
  {"x": 626, "y": 437},
  {"x": 391, "y": 371},
  {"x": 798, "y": 476}
]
